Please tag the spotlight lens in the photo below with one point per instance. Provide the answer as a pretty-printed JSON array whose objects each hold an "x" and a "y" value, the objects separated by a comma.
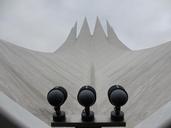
[
  {"x": 55, "y": 98},
  {"x": 86, "y": 98},
  {"x": 118, "y": 97}
]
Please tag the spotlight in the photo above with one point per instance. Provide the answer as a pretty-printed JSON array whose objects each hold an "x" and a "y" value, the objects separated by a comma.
[
  {"x": 87, "y": 97},
  {"x": 118, "y": 97},
  {"x": 56, "y": 97}
]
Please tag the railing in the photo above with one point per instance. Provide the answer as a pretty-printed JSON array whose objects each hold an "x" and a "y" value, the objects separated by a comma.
[
  {"x": 160, "y": 119},
  {"x": 13, "y": 115}
]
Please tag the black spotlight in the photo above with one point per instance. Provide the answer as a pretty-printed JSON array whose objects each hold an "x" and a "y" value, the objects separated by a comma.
[
  {"x": 56, "y": 97},
  {"x": 118, "y": 97},
  {"x": 87, "y": 97}
]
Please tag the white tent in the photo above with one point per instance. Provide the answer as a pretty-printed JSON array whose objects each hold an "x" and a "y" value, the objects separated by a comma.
[{"x": 99, "y": 60}]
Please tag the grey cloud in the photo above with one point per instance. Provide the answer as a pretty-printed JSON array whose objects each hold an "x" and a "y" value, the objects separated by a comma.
[{"x": 44, "y": 24}]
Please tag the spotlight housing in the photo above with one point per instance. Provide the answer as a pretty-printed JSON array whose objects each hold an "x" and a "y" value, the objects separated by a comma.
[
  {"x": 56, "y": 97},
  {"x": 87, "y": 97},
  {"x": 118, "y": 97}
]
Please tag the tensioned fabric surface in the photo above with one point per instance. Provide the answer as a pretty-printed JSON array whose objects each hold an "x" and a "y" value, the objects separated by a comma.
[{"x": 99, "y": 60}]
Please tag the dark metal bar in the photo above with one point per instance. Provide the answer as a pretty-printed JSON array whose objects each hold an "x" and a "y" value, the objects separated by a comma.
[{"x": 100, "y": 121}]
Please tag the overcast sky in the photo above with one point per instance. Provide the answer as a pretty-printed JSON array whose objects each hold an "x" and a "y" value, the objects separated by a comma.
[{"x": 43, "y": 25}]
